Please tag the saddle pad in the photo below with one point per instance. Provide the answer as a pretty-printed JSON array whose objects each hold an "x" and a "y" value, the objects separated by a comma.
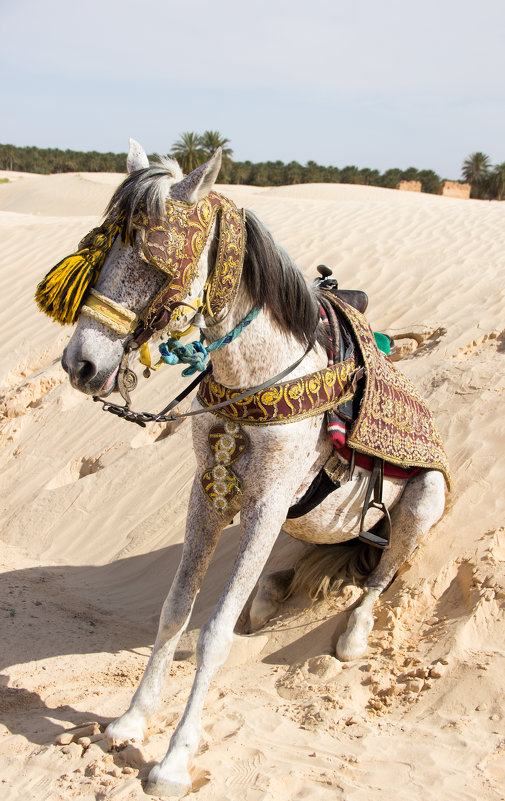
[{"x": 394, "y": 422}]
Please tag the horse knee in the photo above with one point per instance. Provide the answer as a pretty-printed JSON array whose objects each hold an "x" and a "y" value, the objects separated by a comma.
[
  {"x": 172, "y": 619},
  {"x": 214, "y": 644}
]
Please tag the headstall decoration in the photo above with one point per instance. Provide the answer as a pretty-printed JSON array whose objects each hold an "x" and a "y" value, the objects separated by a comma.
[{"x": 174, "y": 245}]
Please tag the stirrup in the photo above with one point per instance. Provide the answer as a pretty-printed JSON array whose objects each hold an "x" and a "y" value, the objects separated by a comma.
[{"x": 375, "y": 484}]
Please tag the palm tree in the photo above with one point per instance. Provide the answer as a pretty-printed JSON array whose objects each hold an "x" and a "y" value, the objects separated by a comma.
[
  {"x": 475, "y": 170},
  {"x": 188, "y": 151},
  {"x": 211, "y": 140},
  {"x": 496, "y": 182}
]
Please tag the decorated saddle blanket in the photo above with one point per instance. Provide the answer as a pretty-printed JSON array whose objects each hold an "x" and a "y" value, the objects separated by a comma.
[{"x": 393, "y": 422}]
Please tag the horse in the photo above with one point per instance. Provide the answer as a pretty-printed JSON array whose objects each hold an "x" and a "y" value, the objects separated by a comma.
[{"x": 273, "y": 465}]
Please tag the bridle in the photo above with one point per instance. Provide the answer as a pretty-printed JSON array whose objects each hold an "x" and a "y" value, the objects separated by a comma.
[
  {"x": 175, "y": 246},
  {"x": 141, "y": 418}
]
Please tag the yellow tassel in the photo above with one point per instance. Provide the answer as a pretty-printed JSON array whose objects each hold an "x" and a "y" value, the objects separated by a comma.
[{"x": 61, "y": 293}]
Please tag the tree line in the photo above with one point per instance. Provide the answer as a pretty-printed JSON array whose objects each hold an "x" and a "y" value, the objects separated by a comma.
[
  {"x": 192, "y": 149},
  {"x": 264, "y": 173}
]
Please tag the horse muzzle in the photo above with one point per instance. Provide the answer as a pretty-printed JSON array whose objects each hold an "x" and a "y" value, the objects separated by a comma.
[{"x": 86, "y": 376}]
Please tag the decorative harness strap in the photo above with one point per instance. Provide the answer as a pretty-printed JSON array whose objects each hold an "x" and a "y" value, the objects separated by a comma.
[{"x": 285, "y": 402}]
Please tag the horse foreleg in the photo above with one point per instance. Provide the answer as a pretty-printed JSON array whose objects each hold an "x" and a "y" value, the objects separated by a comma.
[
  {"x": 202, "y": 533},
  {"x": 419, "y": 508},
  {"x": 259, "y": 530}
]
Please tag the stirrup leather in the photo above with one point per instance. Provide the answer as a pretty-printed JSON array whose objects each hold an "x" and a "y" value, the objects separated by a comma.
[{"x": 376, "y": 484}]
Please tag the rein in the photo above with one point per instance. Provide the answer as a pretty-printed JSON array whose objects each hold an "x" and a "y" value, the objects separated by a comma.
[{"x": 141, "y": 418}]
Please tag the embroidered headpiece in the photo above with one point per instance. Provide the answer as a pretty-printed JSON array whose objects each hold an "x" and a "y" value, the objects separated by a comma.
[{"x": 174, "y": 245}]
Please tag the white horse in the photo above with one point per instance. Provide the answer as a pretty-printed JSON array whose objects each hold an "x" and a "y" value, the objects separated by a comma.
[{"x": 275, "y": 470}]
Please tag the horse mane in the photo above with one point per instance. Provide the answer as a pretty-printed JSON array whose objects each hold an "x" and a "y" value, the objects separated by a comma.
[
  {"x": 146, "y": 189},
  {"x": 275, "y": 283}
]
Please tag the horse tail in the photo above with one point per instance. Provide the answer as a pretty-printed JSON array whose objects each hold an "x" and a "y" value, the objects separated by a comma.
[{"x": 324, "y": 569}]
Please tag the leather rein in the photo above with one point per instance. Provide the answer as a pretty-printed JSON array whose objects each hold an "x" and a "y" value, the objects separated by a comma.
[{"x": 141, "y": 418}]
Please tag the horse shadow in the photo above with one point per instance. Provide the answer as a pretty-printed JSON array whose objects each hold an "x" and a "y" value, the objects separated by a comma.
[{"x": 56, "y": 610}]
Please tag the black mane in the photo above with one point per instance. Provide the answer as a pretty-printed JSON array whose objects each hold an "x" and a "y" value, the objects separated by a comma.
[{"x": 274, "y": 282}]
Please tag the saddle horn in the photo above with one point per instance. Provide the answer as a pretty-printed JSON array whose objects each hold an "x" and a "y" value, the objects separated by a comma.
[{"x": 324, "y": 271}]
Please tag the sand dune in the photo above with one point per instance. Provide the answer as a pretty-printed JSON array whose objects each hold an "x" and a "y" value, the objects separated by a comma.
[{"x": 89, "y": 548}]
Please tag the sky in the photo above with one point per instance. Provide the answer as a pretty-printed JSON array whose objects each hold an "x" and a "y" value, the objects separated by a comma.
[{"x": 374, "y": 83}]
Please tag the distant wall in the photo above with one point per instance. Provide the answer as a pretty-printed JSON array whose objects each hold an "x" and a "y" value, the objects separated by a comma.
[
  {"x": 455, "y": 189},
  {"x": 409, "y": 186}
]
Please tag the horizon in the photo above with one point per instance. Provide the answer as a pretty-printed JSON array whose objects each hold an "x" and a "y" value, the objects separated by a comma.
[
  {"x": 263, "y": 161},
  {"x": 336, "y": 85}
]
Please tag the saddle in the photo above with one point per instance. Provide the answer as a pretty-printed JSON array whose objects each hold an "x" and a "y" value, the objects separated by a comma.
[
  {"x": 345, "y": 415},
  {"x": 328, "y": 479},
  {"x": 353, "y": 297}
]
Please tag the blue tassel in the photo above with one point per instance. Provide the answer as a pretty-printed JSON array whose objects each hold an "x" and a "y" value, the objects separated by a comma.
[{"x": 195, "y": 353}]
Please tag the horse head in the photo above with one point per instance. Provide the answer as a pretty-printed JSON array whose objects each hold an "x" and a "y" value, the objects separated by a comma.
[{"x": 152, "y": 253}]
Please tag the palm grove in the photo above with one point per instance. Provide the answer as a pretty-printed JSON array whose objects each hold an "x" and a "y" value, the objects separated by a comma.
[{"x": 192, "y": 149}]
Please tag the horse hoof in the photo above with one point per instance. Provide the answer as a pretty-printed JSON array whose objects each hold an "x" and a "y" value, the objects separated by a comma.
[
  {"x": 126, "y": 729},
  {"x": 352, "y": 645},
  {"x": 268, "y": 598},
  {"x": 178, "y": 785},
  {"x": 348, "y": 652},
  {"x": 261, "y": 612}
]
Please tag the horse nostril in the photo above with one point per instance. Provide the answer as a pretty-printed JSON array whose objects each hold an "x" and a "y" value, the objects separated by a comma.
[
  {"x": 64, "y": 362},
  {"x": 85, "y": 371}
]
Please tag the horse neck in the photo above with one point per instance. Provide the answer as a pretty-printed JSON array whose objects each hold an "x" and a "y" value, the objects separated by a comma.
[{"x": 260, "y": 352}]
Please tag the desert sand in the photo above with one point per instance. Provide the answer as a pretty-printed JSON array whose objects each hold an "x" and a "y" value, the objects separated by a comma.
[{"x": 92, "y": 520}]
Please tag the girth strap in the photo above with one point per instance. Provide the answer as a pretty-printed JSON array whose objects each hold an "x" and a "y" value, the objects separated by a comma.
[{"x": 320, "y": 488}]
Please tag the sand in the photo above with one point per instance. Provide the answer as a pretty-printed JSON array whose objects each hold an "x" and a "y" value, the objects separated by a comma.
[{"x": 92, "y": 520}]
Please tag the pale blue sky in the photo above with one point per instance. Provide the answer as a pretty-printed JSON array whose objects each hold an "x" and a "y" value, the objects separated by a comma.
[{"x": 376, "y": 83}]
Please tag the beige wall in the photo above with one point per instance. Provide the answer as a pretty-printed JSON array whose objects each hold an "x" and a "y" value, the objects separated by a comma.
[
  {"x": 409, "y": 186},
  {"x": 455, "y": 189}
]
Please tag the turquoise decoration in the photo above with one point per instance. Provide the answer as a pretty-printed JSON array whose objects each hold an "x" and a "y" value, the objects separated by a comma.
[
  {"x": 383, "y": 342},
  {"x": 196, "y": 353}
]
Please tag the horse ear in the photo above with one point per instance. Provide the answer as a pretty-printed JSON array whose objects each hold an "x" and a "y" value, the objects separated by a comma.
[
  {"x": 198, "y": 183},
  {"x": 137, "y": 157}
]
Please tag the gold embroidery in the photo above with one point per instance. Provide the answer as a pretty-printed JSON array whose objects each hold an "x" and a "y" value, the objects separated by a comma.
[
  {"x": 176, "y": 244},
  {"x": 220, "y": 483},
  {"x": 394, "y": 422},
  {"x": 284, "y": 403}
]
